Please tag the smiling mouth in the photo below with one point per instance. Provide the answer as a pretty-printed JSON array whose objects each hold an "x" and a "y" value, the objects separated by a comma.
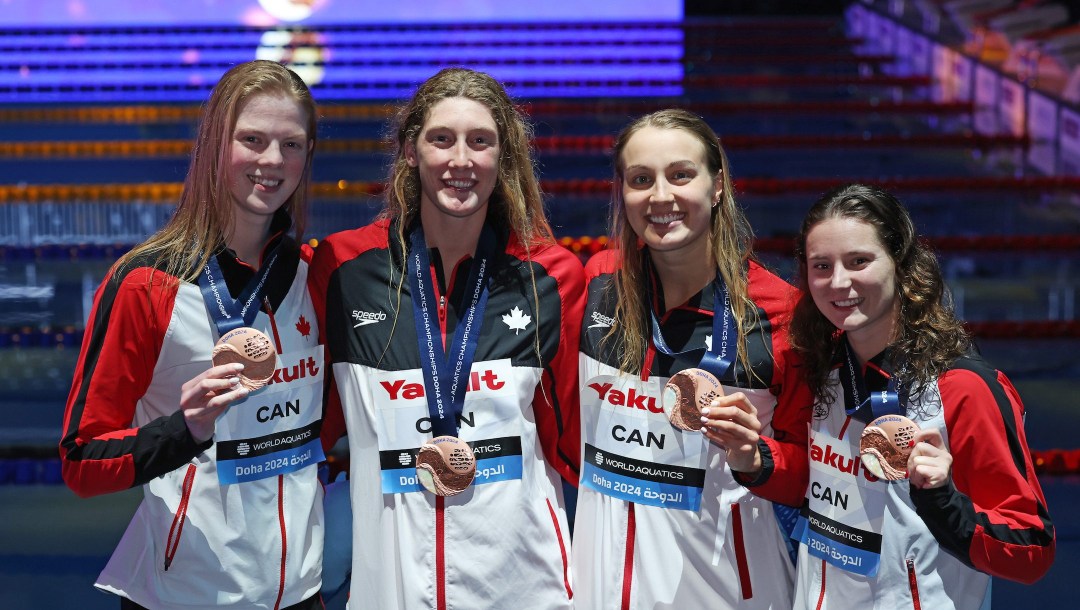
[
  {"x": 847, "y": 302},
  {"x": 265, "y": 182},
  {"x": 663, "y": 219},
  {"x": 460, "y": 184}
]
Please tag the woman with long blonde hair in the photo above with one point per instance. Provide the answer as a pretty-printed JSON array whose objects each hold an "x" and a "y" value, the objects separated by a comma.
[
  {"x": 453, "y": 324},
  {"x": 232, "y": 508},
  {"x": 663, "y": 517}
]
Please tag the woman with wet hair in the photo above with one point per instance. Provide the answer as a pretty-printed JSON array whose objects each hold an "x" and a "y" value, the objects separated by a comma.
[
  {"x": 690, "y": 397},
  {"x": 232, "y": 508},
  {"x": 453, "y": 324},
  {"x": 921, "y": 481}
]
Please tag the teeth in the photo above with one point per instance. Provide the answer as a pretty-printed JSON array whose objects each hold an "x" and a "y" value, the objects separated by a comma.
[
  {"x": 264, "y": 181},
  {"x": 666, "y": 218},
  {"x": 460, "y": 184},
  {"x": 847, "y": 303}
]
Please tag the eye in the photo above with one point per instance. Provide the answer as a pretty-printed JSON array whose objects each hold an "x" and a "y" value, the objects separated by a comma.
[
  {"x": 682, "y": 175},
  {"x": 638, "y": 180}
]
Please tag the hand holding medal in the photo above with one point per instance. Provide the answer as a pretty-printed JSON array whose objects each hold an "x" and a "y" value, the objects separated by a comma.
[
  {"x": 686, "y": 394},
  {"x": 251, "y": 348},
  {"x": 930, "y": 462}
]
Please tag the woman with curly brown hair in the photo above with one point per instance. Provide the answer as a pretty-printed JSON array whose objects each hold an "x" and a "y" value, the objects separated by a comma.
[{"x": 901, "y": 394}]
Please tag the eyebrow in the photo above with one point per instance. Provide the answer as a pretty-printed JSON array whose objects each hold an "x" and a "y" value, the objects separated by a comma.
[
  {"x": 299, "y": 134},
  {"x": 680, "y": 164}
]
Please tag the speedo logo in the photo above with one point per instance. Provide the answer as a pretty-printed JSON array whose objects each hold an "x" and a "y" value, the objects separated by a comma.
[
  {"x": 363, "y": 318},
  {"x": 601, "y": 321}
]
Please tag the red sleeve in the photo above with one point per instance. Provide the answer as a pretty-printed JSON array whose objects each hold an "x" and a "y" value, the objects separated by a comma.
[
  {"x": 99, "y": 449},
  {"x": 786, "y": 467},
  {"x": 323, "y": 264},
  {"x": 786, "y": 471},
  {"x": 556, "y": 401},
  {"x": 994, "y": 515}
]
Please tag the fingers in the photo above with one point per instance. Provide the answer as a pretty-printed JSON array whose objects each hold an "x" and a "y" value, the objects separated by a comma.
[
  {"x": 205, "y": 397},
  {"x": 730, "y": 414},
  {"x": 224, "y": 371},
  {"x": 930, "y": 463},
  {"x": 931, "y": 436}
]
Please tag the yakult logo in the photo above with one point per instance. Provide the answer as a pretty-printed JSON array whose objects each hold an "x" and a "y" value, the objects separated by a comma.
[
  {"x": 478, "y": 380},
  {"x": 847, "y": 465},
  {"x": 306, "y": 367},
  {"x": 630, "y": 398}
]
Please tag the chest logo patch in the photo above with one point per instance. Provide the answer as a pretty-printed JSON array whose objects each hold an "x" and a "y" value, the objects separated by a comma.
[
  {"x": 363, "y": 318},
  {"x": 516, "y": 320}
]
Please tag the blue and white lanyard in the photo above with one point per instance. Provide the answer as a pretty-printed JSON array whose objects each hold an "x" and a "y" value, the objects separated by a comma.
[
  {"x": 226, "y": 312},
  {"x": 716, "y": 361},
  {"x": 884, "y": 402},
  {"x": 445, "y": 379}
]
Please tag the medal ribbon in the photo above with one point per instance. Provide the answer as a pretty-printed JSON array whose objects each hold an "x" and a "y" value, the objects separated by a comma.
[
  {"x": 885, "y": 402},
  {"x": 228, "y": 313},
  {"x": 445, "y": 379},
  {"x": 717, "y": 362}
]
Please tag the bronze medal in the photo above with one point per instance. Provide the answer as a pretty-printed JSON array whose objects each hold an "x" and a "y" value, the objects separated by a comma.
[
  {"x": 885, "y": 445},
  {"x": 445, "y": 465},
  {"x": 686, "y": 394},
  {"x": 251, "y": 348}
]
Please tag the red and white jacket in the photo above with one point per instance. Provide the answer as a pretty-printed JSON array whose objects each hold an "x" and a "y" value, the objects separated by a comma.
[
  {"x": 729, "y": 550},
  {"x": 504, "y": 542},
  {"x": 195, "y": 542},
  {"x": 939, "y": 547}
]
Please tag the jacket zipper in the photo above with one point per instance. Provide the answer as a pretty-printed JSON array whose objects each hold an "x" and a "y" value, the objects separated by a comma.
[
  {"x": 913, "y": 584},
  {"x": 740, "y": 552},
  {"x": 440, "y": 506},
  {"x": 821, "y": 594},
  {"x": 628, "y": 560},
  {"x": 280, "y": 478},
  {"x": 171, "y": 544}
]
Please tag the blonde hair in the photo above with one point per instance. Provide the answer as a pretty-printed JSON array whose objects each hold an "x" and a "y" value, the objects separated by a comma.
[
  {"x": 730, "y": 236},
  {"x": 204, "y": 215},
  {"x": 516, "y": 204}
]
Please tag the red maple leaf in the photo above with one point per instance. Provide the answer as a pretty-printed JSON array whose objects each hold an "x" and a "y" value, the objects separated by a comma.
[{"x": 303, "y": 326}]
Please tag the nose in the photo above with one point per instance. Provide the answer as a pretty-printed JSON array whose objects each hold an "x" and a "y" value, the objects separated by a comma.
[
  {"x": 662, "y": 192},
  {"x": 460, "y": 155},
  {"x": 840, "y": 278},
  {"x": 273, "y": 155}
]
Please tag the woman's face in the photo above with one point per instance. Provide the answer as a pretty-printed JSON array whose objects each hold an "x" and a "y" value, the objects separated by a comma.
[
  {"x": 268, "y": 152},
  {"x": 852, "y": 279},
  {"x": 457, "y": 155},
  {"x": 668, "y": 191}
]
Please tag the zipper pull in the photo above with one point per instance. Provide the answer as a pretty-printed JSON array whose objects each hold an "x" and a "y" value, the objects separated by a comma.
[{"x": 442, "y": 308}]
